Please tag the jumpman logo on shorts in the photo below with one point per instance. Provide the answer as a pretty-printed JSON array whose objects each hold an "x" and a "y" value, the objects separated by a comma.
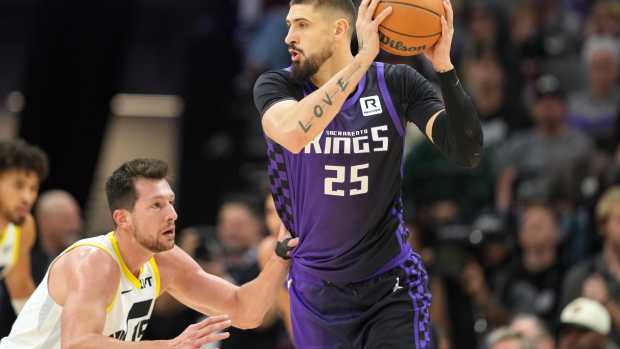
[{"x": 397, "y": 286}]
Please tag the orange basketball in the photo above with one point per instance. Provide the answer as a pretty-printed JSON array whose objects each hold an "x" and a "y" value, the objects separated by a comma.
[{"x": 413, "y": 26}]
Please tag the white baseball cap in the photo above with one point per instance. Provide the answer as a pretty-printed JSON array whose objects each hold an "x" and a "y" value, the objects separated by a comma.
[{"x": 587, "y": 313}]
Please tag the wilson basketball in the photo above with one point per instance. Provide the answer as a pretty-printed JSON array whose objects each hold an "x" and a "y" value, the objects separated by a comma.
[{"x": 413, "y": 26}]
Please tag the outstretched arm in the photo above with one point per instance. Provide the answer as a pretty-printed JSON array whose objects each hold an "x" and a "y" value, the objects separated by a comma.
[{"x": 209, "y": 294}]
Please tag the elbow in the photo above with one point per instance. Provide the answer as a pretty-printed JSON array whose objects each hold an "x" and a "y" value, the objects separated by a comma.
[
  {"x": 75, "y": 342},
  {"x": 291, "y": 140},
  {"x": 249, "y": 322}
]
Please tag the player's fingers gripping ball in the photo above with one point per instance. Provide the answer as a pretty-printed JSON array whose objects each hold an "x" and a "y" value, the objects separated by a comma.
[{"x": 413, "y": 26}]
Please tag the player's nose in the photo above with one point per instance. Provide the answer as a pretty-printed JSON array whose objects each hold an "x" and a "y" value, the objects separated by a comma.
[{"x": 291, "y": 37}]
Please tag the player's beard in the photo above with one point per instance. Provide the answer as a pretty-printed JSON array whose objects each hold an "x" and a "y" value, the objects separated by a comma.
[
  {"x": 303, "y": 70},
  {"x": 151, "y": 242}
]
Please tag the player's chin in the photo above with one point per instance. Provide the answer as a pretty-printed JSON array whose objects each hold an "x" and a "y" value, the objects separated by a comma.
[{"x": 18, "y": 219}]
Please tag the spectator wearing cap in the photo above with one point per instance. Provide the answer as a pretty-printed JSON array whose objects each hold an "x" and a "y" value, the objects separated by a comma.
[
  {"x": 531, "y": 161},
  {"x": 599, "y": 277},
  {"x": 594, "y": 109},
  {"x": 585, "y": 325}
]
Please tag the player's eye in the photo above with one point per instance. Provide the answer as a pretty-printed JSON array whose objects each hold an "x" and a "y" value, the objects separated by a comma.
[
  {"x": 19, "y": 184},
  {"x": 157, "y": 205}
]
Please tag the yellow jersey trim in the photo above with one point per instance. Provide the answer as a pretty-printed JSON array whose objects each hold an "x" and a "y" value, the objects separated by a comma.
[
  {"x": 5, "y": 233},
  {"x": 156, "y": 274},
  {"x": 106, "y": 250},
  {"x": 132, "y": 278},
  {"x": 18, "y": 237}
]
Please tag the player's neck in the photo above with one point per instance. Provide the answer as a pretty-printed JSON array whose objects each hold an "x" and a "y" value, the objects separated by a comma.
[
  {"x": 133, "y": 253},
  {"x": 3, "y": 224},
  {"x": 340, "y": 59}
]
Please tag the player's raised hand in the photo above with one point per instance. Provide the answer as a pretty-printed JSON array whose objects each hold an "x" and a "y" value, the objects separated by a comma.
[
  {"x": 201, "y": 333},
  {"x": 367, "y": 28},
  {"x": 439, "y": 54}
]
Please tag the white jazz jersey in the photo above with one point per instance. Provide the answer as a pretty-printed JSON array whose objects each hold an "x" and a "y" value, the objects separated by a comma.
[
  {"x": 38, "y": 324},
  {"x": 9, "y": 248}
]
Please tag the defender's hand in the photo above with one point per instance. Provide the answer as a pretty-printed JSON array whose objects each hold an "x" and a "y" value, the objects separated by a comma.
[
  {"x": 286, "y": 243},
  {"x": 201, "y": 333},
  {"x": 368, "y": 28},
  {"x": 439, "y": 54}
]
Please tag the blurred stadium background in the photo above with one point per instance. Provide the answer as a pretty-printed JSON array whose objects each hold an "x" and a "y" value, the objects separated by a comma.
[{"x": 97, "y": 83}]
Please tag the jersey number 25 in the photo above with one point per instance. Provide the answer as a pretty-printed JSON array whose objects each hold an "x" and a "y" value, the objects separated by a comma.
[{"x": 340, "y": 178}]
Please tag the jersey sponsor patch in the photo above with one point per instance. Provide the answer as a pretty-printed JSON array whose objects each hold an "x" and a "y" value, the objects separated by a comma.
[{"x": 371, "y": 105}]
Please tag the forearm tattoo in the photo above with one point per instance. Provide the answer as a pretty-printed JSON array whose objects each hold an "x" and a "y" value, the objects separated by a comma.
[{"x": 340, "y": 86}]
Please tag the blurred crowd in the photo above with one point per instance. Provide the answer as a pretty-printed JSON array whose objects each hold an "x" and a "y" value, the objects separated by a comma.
[{"x": 524, "y": 251}]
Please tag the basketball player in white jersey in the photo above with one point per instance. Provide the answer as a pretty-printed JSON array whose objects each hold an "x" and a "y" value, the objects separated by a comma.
[
  {"x": 22, "y": 168},
  {"x": 100, "y": 292}
]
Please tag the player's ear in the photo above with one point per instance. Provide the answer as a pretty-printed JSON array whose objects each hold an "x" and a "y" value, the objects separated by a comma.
[
  {"x": 121, "y": 217},
  {"x": 341, "y": 28}
]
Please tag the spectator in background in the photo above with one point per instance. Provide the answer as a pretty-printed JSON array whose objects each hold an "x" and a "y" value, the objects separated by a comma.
[
  {"x": 594, "y": 109},
  {"x": 529, "y": 161},
  {"x": 499, "y": 109},
  {"x": 599, "y": 277},
  {"x": 263, "y": 28},
  {"x": 487, "y": 36},
  {"x": 59, "y": 219},
  {"x": 530, "y": 327},
  {"x": 604, "y": 19},
  {"x": 585, "y": 325},
  {"x": 505, "y": 338},
  {"x": 531, "y": 282}
]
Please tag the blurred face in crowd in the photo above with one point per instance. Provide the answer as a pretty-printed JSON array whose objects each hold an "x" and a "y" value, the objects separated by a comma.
[
  {"x": 152, "y": 219},
  {"x": 538, "y": 238},
  {"x": 530, "y": 329},
  {"x": 314, "y": 32},
  {"x": 549, "y": 112},
  {"x": 485, "y": 79},
  {"x": 482, "y": 24},
  {"x": 603, "y": 72},
  {"x": 577, "y": 338},
  {"x": 238, "y": 227},
  {"x": 18, "y": 192},
  {"x": 59, "y": 220},
  {"x": 271, "y": 216},
  {"x": 611, "y": 228},
  {"x": 606, "y": 18}
]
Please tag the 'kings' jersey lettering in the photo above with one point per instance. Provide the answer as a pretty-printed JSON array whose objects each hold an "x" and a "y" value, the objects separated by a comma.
[{"x": 351, "y": 142}]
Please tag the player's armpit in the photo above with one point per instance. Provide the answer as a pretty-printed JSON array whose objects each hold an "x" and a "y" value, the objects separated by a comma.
[{"x": 82, "y": 282}]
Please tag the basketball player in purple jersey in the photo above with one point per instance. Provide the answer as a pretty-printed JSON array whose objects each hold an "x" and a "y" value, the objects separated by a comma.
[{"x": 334, "y": 126}]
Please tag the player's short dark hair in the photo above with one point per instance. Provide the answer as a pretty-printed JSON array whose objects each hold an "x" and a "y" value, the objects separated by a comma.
[
  {"x": 346, "y": 6},
  {"x": 19, "y": 155},
  {"x": 120, "y": 186}
]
